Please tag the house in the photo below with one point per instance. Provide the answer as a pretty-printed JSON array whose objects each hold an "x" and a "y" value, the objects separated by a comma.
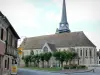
[{"x": 8, "y": 45}]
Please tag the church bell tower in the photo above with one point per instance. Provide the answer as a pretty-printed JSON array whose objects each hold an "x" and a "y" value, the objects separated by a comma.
[{"x": 63, "y": 26}]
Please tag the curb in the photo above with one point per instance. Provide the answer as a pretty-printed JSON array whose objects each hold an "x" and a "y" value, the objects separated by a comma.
[{"x": 75, "y": 72}]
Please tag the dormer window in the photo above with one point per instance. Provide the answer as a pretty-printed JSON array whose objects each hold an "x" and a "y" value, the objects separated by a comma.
[{"x": 45, "y": 49}]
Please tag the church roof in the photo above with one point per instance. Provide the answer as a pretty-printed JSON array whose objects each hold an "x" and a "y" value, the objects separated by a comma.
[
  {"x": 71, "y": 39},
  {"x": 52, "y": 46}
]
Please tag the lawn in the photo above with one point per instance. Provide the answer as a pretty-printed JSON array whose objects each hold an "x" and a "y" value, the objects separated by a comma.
[{"x": 44, "y": 69}]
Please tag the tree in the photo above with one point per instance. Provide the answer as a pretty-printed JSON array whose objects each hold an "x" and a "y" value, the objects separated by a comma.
[
  {"x": 37, "y": 57},
  {"x": 26, "y": 60},
  {"x": 33, "y": 59},
  {"x": 60, "y": 56},
  {"x": 42, "y": 56},
  {"x": 66, "y": 57},
  {"x": 31, "y": 55},
  {"x": 47, "y": 57}
]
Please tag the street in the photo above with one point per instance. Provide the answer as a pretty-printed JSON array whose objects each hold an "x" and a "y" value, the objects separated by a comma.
[{"x": 35, "y": 72}]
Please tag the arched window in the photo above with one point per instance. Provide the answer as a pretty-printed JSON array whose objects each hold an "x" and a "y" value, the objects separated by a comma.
[
  {"x": 90, "y": 52},
  {"x": 45, "y": 49},
  {"x": 80, "y": 52},
  {"x": 86, "y": 52}
]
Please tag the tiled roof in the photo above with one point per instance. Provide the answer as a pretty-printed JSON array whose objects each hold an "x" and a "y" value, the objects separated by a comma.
[
  {"x": 52, "y": 46},
  {"x": 71, "y": 39}
]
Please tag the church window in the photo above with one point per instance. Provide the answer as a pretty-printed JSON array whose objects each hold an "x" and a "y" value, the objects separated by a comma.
[
  {"x": 77, "y": 50},
  {"x": 81, "y": 52},
  {"x": 86, "y": 52},
  {"x": 90, "y": 52},
  {"x": 99, "y": 62},
  {"x": 99, "y": 57},
  {"x": 45, "y": 49}
]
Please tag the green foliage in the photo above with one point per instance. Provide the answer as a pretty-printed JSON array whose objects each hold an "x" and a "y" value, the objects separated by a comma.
[
  {"x": 31, "y": 53},
  {"x": 74, "y": 66},
  {"x": 42, "y": 56},
  {"x": 27, "y": 60},
  {"x": 22, "y": 57},
  {"x": 60, "y": 56},
  {"x": 47, "y": 56},
  {"x": 81, "y": 67}
]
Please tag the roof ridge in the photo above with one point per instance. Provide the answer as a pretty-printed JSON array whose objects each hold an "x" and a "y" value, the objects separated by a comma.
[{"x": 52, "y": 34}]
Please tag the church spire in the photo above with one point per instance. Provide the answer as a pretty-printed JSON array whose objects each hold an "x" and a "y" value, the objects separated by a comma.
[
  {"x": 64, "y": 17},
  {"x": 63, "y": 27}
]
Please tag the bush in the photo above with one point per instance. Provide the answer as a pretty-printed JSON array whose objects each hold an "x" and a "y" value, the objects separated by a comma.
[
  {"x": 75, "y": 66},
  {"x": 66, "y": 67},
  {"x": 70, "y": 66},
  {"x": 81, "y": 67}
]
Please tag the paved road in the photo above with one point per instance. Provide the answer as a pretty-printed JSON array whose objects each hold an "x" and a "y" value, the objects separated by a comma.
[{"x": 35, "y": 72}]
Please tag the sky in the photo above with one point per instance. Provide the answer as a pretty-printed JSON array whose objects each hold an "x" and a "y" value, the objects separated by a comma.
[{"x": 41, "y": 17}]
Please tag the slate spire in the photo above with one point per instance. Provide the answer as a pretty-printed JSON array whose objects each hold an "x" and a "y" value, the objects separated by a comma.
[
  {"x": 64, "y": 26},
  {"x": 64, "y": 17}
]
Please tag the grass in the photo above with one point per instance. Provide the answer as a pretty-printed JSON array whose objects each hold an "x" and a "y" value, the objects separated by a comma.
[{"x": 44, "y": 69}]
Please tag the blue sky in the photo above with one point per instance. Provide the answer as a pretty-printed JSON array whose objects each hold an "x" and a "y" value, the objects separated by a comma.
[{"x": 41, "y": 17}]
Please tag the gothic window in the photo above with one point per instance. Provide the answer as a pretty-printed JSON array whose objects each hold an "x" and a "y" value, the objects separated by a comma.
[
  {"x": 99, "y": 62},
  {"x": 80, "y": 52},
  {"x": 86, "y": 52},
  {"x": 45, "y": 49},
  {"x": 90, "y": 52},
  {"x": 99, "y": 57}
]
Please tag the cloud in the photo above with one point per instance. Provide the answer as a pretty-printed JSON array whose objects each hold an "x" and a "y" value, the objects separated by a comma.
[{"x": 22, "y": 15}]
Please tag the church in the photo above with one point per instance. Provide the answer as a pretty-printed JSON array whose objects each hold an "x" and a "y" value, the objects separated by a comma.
[{"x": 62, "y": 40}]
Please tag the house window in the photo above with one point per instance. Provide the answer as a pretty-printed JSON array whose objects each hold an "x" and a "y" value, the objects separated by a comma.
[
  {"x": 8, "y": 64},
  {"x": 15, "y": 43},
  {"x": 11, "y": 41},
  {"x": 5, "y": 63},
  {"x": 45, "y": 49},
  {"x": 1, "y": 34},
  {"x": 0, "y": 61}
]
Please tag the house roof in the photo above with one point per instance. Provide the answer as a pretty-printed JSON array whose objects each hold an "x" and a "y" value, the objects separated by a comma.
[
  {"x": 10, "y": 26},
  {"x": 71, "y": 39}
]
